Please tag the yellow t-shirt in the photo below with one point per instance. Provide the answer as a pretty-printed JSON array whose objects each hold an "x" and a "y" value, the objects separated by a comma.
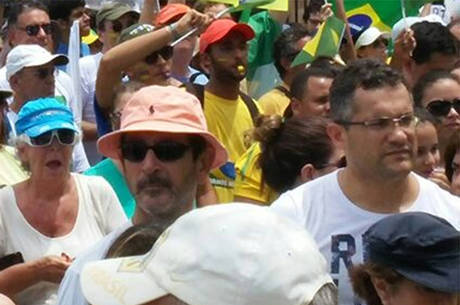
[
  {"x": 11, "y": 171},
  {"x": 228, "y": 120},
  {"x": 274, "y": 101},
  {"x": 248, "y": 181}
]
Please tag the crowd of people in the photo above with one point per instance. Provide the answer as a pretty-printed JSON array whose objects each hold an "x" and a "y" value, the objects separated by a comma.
[{"x": 150, "y": 164}]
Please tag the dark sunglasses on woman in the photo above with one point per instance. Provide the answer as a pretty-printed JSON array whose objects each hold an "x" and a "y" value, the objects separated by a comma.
[
  {"x": 64, "y": 137},
  {"x": 443, "y": 107},
  {"x": 166, "y": 53}
]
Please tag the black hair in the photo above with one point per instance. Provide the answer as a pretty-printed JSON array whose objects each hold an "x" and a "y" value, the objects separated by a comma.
[
  {"x": 432, "y": 38},
  {"x": 17, "y": 8},
  {"x": 426, "y": 81},
  {"x": 299, "y": 83},
  {"x": 363, "y": 73},
  {"x": 285, "y": 45},
  {"x": 62, "y": 9}
]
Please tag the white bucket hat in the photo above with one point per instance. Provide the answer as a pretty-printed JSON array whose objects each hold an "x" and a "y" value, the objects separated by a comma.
[{"x": 218, "y": 255}]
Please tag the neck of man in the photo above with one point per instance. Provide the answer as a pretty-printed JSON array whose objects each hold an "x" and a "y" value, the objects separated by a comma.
[
  {"x": 228, "y": 89},
  {"x": 142, "y": 217},
  {"x": 379, "y": 194}
]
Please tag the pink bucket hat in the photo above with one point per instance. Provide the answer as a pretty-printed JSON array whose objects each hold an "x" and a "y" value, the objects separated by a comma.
[{"x": 162, "y": 109}]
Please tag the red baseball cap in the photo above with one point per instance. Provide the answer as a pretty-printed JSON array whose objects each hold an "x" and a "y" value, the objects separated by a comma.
[
  {"x": 170, "y": 13},
  {"x": 220, "y": 28}
]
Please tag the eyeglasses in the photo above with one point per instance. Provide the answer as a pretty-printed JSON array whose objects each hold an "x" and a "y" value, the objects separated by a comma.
[
  {"x": 443, "y": 107},
  {"x": 33, "y": 30},
  {"x": 405, "y": 121},
  {"x": 165, "y": 151},
  {"x": 381, "y": 42},
  {"x": 166, "y": 53},
  {"x": 64, "y": 137},
  {"x": 43, "y": 73}
]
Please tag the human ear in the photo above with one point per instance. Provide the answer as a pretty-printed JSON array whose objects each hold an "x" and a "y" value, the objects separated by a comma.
[
  {"x": 382, "y": 288},
  {"x": 307, "y": 173}
]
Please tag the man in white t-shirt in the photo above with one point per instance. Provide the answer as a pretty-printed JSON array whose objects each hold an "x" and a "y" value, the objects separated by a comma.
[
  {"x": 29, "y": 23},
  {"x": 165, "y": 152},
  {"x": 375, "y": 123}
]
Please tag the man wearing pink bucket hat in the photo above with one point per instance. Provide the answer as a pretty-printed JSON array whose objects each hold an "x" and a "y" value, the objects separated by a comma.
[{"x": 165, "y": 151}]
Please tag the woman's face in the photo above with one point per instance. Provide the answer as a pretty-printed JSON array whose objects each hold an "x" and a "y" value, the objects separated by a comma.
[
  {"x": 455, "y": 186},
  {"x": 49, "y": 161},
  {"x": 409, "y": 293},
  {"x": 448, "y": 90},
  {"x": 427, "y": 158}
]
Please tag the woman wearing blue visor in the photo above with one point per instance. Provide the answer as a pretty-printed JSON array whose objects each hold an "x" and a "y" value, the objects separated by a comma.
[{"x": 50, "y": 218}]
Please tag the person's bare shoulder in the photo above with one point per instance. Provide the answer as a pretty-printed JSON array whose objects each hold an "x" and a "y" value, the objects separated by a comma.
[{"x": 4, "y": 300}]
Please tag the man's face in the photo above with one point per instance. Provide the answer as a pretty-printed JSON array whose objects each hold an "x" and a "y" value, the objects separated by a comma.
[
  {"x": 19, "y": 33},
  {"x": 34, "y": 82},
  {"x": 163, "y": 189},
  {"x": 388, "y": 150},
  {"x": 314, "y": 22},
  {"x": 376, "y": 50},
  {"x": 315, "y": 101},
  {"x": 112, "y": 29},
  {"x": 228, "y": 58},
  {"x": 81, "y": 14}
]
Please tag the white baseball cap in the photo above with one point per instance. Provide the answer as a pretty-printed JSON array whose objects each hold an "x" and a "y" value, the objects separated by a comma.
[
  {"x": 30, "y": 55},
  {"x": 218, "y": 255},
  {"x": 369, "y": 36},
  {"x": 401, "y": 25}
]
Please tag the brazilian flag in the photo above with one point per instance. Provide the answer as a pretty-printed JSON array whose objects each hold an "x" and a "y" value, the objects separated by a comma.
[
  {"x": 382, "y": 14},
  {"x": 325, "y": 43}
]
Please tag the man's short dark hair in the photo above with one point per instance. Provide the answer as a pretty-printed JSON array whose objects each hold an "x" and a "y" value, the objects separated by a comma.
[
  {"x": 62, "y": 9},
  {"x": 285, "y": 45},
  {"x": 367, "y": 74},
  {"x": 299, "y": 84},
  {"x": 433, "y": 37},
  {"x": 17, "y": 8}
]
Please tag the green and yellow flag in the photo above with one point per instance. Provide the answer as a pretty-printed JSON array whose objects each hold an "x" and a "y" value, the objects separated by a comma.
[
  {"x": 382, "y": 14},
  {"x": 326, "y": 42}
]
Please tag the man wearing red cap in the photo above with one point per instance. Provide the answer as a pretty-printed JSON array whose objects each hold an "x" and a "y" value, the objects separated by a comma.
[{"x": 224, "y": 50}]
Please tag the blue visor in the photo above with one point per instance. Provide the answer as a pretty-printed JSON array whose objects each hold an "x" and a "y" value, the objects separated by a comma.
[{"x": 42, "y": 115}]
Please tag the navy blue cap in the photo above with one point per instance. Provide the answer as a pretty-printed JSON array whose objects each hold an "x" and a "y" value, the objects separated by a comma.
[{"x": 421, "y": 247}]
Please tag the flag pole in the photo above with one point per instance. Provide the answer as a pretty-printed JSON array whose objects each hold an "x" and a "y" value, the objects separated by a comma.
[
  {"x": 193, "y": 31},
  {"x": 351, "y": 52},
  {"x": 403, "y": 13}
]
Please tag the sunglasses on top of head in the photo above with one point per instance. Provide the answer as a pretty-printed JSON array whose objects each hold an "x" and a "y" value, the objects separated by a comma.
[
  {"x": 33, "y": 30},
  {"x": 165, "y": 151},
  {"x": 63, "y": 136},
  {"x": 166, "y": 53},
  {"x": 443, "y": 107}
]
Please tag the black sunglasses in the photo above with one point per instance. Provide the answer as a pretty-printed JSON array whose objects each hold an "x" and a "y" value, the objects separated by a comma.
[
  {"x": 43, "y": 73},
  {"x": 64, "y": 137},
  {"x": 166, "y": 53},
  {"x": 33, "y": 30},
  {"x": 165, "y": 151},
  {"x": 442, "y": 107}
]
